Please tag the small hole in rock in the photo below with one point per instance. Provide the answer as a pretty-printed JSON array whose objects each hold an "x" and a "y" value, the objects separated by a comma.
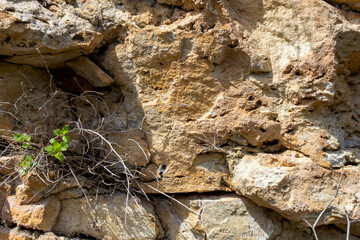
[{"x": 271, "y": 143}]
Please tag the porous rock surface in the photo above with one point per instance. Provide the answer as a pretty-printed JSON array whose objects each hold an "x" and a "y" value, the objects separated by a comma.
[{"x": 255, "y": 97}]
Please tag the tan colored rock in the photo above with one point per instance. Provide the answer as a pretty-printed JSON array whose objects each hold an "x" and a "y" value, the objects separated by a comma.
[
  {"x": 218, "y": 80},
  {"x": 296, "y": 187},
  {"x": 29, "y": 29},
  {"x": 131, "y": 146},
  {"x": 21, "y": 234},
  {"x": 41, "y": 215},
  {"x": 51, "y": 236},
  {"x": 187, "y": 184},
  {"x": 219, "y": 218},
  {"x": 87, "y": 69},
  {"x": 8, "y": 165},
  {"x": 26, "y": 194},
  {"x": 16, "y": 234},
  {"x": 70, "y": 193},
  {"x": 62, "y": 30},
  {"x": 15, "y": 79},
  {"x": 5, "y": 127},
  {"x": 295, "y": 231},
  {"x": 32, "y": 188},
  {"x": 258, "y": 96},
  {"x": 226, "y": 216},
  {"x": 106, "y": 218}
]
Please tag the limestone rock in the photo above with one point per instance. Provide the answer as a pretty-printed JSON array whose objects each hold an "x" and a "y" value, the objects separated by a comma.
[
  {"x": 15, "y": 79},
  {"x": 31, "y": 29},
  {"x": 8, "y": 165},
  {"x": 221, "y": 78},
  {"x": 296, "y": 187},
  {"x": 228, "y": 216},
  {"x": 131, "y": 146},
  {"x": 257, "y": 96},
  {"x": 56, "y": 31},
  {"x": 32, "y": 188},
  {"x": 16, "y": 234},
  {"x": 87, "y": 69},
  {"x": 108, "y": 218},
  {"x": 219, "y": 218},
  {"x": 41, "y": 215},
  {"x": 21, "y": 234},
  {"x": 294, "y": 231},
  {"x": 52, "y": 236},
  {"x": 217, "y": 214}
]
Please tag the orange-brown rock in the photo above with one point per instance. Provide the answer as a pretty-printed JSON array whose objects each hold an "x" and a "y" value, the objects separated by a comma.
[
  {"x": 41, "y": 215},
  {"x": 260, "y": 97},
  {"x": 114, "y": 217}
]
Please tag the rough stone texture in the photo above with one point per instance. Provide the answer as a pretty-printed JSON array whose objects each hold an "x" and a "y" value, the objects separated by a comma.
[
  {"x": 218, "y": 215},
  {"x": 294, "y": 182},
  {"x": 132, "y": 147},
  {"x": 14, "y": 79},
  {"x": 228, "y": 216},
  {"x": 41, "y": 215},
  {"x": 31, "y": 189},
  {"x": 16, "y": 234},
  {"x": 8, "y": 164},
  {"x": 87, "y": 69},
  {"x": 30, "y": 28},
  {"x": 21, "y": 234},
  {"x": 236, "y": 83},
  {"x": 110, "y": 213},
  {"x": 260, "y": 97}
]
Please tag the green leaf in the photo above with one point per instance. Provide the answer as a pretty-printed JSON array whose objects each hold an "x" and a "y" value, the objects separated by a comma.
[
  {"x": 65, "y": 129},
  {"x": 52, "y": 140},
  {"x": 25, "y": 145},
  {"x": 60, "y": 156},
  {"x": 27, "y": 138},
  {"x": 56, "y": 145},
  {"x": 66, "y": 139},
  {"x": 57, "y": 132},
  {"x": 26, "y": 164},
  {"x": 22, "y": 171},
  {"x": 49, "y": 149},
  {"x": 64, "y": 146},
  {"x": 17, "y": 137}
]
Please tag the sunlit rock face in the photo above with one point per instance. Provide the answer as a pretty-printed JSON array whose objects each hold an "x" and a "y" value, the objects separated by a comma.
[{"x": 255, "y": 97}]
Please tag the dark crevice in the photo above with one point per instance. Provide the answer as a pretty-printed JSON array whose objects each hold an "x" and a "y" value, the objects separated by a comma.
[
  {"x": 342, "y": 6},
  {"x": 271, "y": 143}
]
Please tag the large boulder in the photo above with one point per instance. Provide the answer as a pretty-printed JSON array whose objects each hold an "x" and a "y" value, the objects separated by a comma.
[
  {"x": 115, "y": 217},
  {"x": 41, "y": 215}
]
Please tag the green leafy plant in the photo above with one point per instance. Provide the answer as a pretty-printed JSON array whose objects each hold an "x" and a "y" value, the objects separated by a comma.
[
  {"x": 27, "y": 161},
  {"x": 59, "y": 144}
]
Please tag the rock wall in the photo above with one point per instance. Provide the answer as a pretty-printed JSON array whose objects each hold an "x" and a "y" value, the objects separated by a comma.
[{"x": 241, "y": 116}]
